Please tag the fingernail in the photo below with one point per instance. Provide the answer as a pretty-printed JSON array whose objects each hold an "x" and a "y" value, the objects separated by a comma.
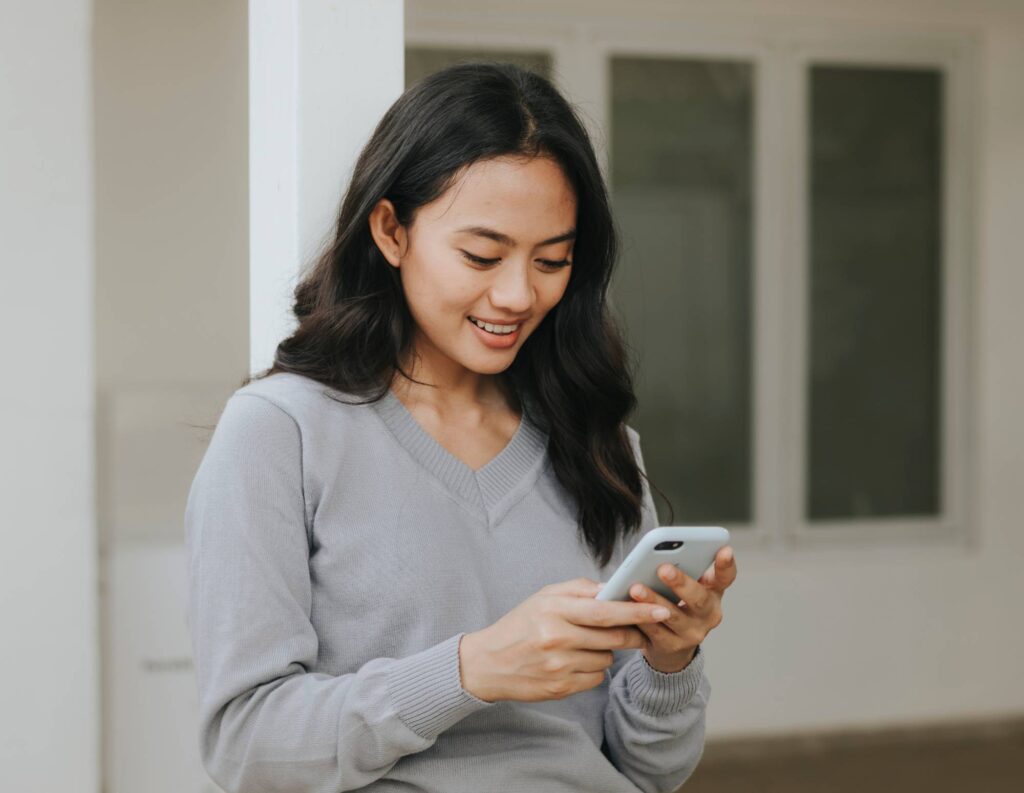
[
  {"x": 661, "y": 613},
  {"x": 638, "y": 591}
]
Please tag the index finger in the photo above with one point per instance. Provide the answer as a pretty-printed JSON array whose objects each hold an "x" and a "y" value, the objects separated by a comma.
[{"x": 610, "y": 613}]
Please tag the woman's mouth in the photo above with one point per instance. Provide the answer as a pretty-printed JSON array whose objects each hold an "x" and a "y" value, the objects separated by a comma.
[
  {"x": 498, "y": 330},
  {"x": 495, "y": 336}
]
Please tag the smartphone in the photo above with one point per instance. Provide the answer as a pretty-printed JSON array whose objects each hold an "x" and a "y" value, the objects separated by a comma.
[{"x": 690, "y": 548}]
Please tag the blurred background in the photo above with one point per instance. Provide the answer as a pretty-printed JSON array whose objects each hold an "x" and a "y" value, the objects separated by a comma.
[{"x": 821, "y": 281}]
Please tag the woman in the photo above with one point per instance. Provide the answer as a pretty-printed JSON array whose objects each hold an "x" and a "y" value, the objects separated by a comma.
[{"x": 397, "y": 531}]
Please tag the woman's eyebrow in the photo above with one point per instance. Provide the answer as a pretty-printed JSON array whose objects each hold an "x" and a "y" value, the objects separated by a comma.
[{"x": 504, "y": 239}]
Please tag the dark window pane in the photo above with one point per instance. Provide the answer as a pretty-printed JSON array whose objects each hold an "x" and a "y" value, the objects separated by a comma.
[
  {"x": 875, "y": 292},
  {"x": 681, "y": 157}
]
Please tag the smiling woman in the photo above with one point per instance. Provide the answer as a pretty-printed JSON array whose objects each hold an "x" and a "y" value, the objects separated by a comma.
[
  {"x": 474, "y": 311},
  {"x": 398, "y": 530}
]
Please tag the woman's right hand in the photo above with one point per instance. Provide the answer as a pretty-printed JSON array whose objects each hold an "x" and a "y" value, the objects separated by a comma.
[{"x": 557, "y": 642}]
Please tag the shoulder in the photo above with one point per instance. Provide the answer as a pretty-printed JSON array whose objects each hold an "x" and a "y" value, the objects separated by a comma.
[
  {"x": 283, "y": 387},
  {"x": 634, "y": 438},
  {"x": 319, "y": 417},
  {"x": 300, "y": 397},
  {"x": 282, "y": 413},
  {"x": 634, "y": 442}
]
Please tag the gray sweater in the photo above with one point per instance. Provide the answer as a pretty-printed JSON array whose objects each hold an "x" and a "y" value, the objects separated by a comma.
[{"x": 336, "y": 554}]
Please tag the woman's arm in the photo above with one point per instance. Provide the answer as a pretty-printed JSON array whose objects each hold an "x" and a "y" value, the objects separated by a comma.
[
  {"x": 266, "y": 722},
  {"x": 653, "y": 721}
]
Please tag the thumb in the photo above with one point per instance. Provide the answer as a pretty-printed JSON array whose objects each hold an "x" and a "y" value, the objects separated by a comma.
[{"x": 722, "y": 572}]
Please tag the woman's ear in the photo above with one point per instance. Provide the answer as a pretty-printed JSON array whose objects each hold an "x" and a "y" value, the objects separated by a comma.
[{"x": 387, "y": 232}]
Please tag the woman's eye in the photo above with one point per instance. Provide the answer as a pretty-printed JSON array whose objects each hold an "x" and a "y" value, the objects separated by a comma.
[
  {"x": 546, "y": 262},
  {"x": 477, "y": 259}
]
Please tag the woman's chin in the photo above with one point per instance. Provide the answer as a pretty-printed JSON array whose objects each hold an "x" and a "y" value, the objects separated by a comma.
[{"x": 493, "y": 365}]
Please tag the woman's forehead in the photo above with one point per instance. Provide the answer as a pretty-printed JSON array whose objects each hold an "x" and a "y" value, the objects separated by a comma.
[{"x": 509, "y": 201}]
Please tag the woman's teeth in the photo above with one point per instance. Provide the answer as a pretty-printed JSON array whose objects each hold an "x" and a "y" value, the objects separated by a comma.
[{"x": 498, "y": 330}]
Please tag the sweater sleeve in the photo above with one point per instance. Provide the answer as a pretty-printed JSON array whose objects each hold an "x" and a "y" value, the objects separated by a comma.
[
  {"x": 654, "y": 721},
  {"x": 267, "y": 722}
]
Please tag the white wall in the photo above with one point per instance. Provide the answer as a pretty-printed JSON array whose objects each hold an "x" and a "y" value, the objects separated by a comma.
[
  {"x": 883, "y": 635},
  {"x": 171, "y": 192},
  {"x": 171, "y": 111},
  {"x": 171, "y": 246},
  {"x": 312, "y": 106},
  {"x": 49, "y": 705}
]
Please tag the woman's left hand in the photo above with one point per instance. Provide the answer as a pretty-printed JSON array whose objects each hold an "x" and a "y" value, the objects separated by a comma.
[{"x": 672, "y": 643}]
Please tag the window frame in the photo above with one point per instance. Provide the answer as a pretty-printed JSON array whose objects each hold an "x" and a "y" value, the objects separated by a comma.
[{"x": 781, "y": 53}]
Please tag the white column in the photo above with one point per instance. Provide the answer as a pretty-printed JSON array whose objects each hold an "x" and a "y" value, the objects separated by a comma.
[
  {"x": 321, "y": 74},
  {"x": 49, "y": 662}
]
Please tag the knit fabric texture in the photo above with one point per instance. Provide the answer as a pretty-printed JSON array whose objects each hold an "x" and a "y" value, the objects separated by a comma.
[{"x": 336, "y": 556}]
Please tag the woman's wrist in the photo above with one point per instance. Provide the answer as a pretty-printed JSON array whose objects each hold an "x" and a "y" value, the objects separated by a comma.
[
  {"x": 468, "y": 664},
  {"x": 670, "y": 669}
]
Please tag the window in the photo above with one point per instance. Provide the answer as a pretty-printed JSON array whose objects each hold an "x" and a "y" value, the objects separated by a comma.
[
  {"x": 681, "y": 153},
  {"x": 873, "y": 424}
]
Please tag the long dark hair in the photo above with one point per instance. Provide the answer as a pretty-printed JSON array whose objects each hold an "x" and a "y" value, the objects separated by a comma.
[{"x": 571, "y": 375}]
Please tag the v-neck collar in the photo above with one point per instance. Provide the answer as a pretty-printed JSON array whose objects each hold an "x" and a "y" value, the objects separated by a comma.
[{"x": 484, "y": 487}]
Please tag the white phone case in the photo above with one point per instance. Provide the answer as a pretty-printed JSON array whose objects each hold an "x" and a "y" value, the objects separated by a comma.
[{"x": 694, "y": 552}]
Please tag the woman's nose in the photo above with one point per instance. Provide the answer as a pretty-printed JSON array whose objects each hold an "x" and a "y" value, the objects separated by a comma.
[{"x": 511, "y": 289}]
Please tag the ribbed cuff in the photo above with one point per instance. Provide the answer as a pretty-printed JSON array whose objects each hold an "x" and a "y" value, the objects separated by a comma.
[
  {"x": 426, "y": 689},
  {"x": 660, "y": 693}
]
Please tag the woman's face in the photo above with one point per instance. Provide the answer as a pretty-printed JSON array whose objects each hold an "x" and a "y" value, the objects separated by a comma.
[{"x": 495, "y": 248}]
